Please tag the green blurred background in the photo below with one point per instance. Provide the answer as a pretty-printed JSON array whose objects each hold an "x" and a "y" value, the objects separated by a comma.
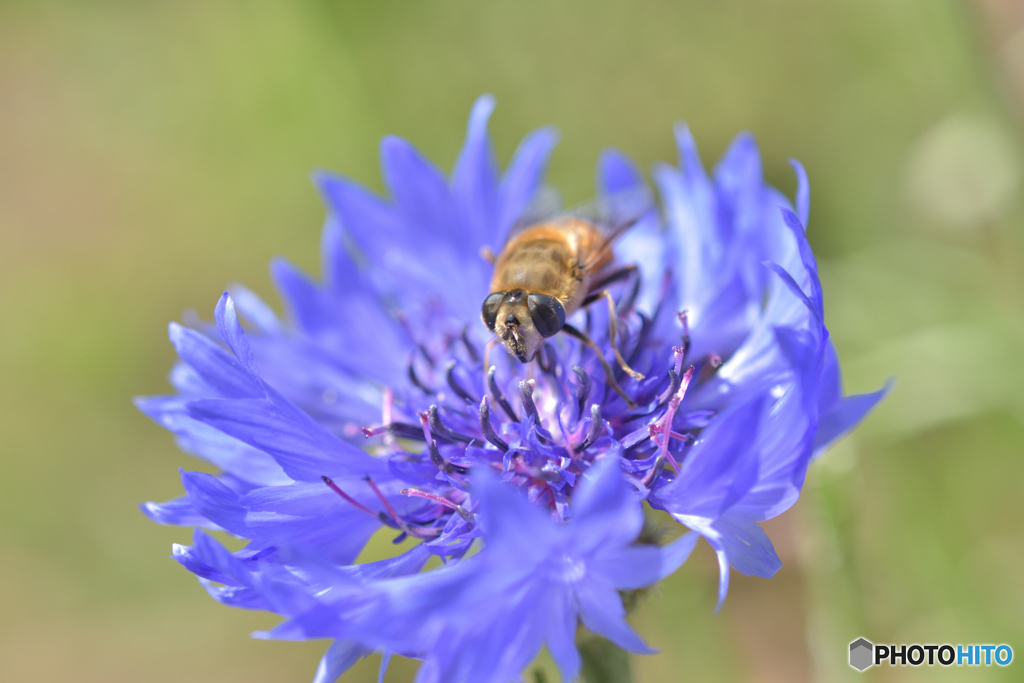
[{"x": 152, "y": 152}]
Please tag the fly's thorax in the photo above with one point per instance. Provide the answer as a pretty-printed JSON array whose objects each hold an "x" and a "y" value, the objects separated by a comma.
[{"x": 540, "y": 265}]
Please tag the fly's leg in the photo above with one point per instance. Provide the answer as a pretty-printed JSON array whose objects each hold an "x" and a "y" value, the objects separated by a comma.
[
  {"x": 611, "y": 339},
  {"x": 626, "y": 273},
  {"x": 487, "y": 353},
  {"x": 609, "y": 375},
  {"x": 613, "y": 277}
]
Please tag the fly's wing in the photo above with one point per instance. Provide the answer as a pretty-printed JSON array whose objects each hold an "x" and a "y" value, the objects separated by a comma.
[
  {"x": 614, "y": 214},
  {"x": 546, "y": 205}
]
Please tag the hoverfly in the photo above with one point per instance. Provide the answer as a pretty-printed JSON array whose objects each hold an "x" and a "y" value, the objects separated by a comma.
[{"x": 548, "y": 270}]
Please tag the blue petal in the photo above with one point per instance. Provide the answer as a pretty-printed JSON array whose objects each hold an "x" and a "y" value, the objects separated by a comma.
[
  {"x": 474, "y": 181},
  {"x": 303, "y": 449},
  {"x": 254, "y": 309},
  {"x": 602, "y": 612},
  {"x": 747, "y": 546},
  {"x": 561, "y": 637},
  {"x": 338, "y": 659},
  {"x": 604, "y": 509},
  {"x": 177, "y": 512},
  {"x": 640, "y": 566},
  {"x": 218, "y": 369},
  {"x": 616, "y": 172},
  {"x": 511, "y": 524},
  {"x": 421, "y": 194},
  {"x": 803, "y": 192},
  {"x": 845, "y": 415},
  {"x": 725, "y": 454},
  {"x": 210, "y": 444},
  {"x": 231, "y": 332},
  {"x": 310, "y": 516},
  {"x": 522, "y": 178},
  {"x": 216, "y": 502}
]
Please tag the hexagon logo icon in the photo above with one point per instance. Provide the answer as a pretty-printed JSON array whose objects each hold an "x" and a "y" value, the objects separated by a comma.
[{"x": 861, "y": 654}]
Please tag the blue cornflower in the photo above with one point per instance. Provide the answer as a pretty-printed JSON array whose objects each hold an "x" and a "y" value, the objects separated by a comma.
[{"x": 371, "y": 408}]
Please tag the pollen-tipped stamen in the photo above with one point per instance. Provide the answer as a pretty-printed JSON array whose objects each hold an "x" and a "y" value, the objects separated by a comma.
[
  {"x": 443, "y": 432},
  {"x": 453, "y": 382},
  {"x": 463, "y": 512},
  {"x": 495, "y": 392},
  {"x": 334, "y": 487},
  {"x": 488, "y": 429}
]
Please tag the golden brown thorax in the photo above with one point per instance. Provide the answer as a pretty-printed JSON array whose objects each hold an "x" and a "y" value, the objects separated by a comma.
[{"x": 557, "y": 258}]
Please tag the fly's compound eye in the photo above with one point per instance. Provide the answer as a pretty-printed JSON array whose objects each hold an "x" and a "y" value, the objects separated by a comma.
[
  {"x": 547, "y": 314},
  {"x": 489, "y": 311}
]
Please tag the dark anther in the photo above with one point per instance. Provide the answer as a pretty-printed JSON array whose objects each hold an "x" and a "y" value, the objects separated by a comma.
[
  {"x": 673, "y": 386},
  {"x": 545, "y": 359},
  {"x": 435, "y": 456},
  {"x": 416, "y": 380},
  {"x": 526, "y": 396},
  {"x": 641, "y": 338},
  {"x": 684, "y": 321},
  {"x": 627, "y": 302},
  {"x": 655, "y": 470},
  {"x": 423, "y": 350},
  {"x": 596, "y": 426},
  {"x": 442, "y": 464},
  {"x": 470, "y": 348},
  {"x": 459, "y": 390},
  {"x": 443, "y": 432},
  {"x": 399, "y": 429},
  {"x": 582, "y": 391},
  {"x": 492, "y": 387},
  {"x": 488, "y": 429}
]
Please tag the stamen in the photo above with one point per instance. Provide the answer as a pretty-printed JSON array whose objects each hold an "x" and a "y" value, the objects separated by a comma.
[
  {"x": 495, "y": 391},
  {"x": 627, "y": 302},
  {"x": 653, "y": 473},
  {"x": 526, "y": 397},
  {"x": 402, "y": 429},
  {"x": 686, "y": 330},
  {"x": 545, "y": 359},
  {"x": 665, "y": 423},
  {"x": 442, "y": 432},
  {"x": 673, "y": 386},
  {"x": 459, "y": 390},
  {"x": 583, "y": 392},
  {"x": 425, "y": 424},
  {"x": 488, "y": 429},
  {"x": 436, "y": 457},
  {"x": 596, "y": 427},
  {"x": 474, "y": 355},
  {"x": 387, "y": 505},
  {"x": 442, "y": 464},
  {"x": 657, "y": 432},
  {"x": 463, "y": 512},
  {"x": 334, "y": 487},
  {"x": 411, "y": 371},
  {"x": 426, "y": 354}
]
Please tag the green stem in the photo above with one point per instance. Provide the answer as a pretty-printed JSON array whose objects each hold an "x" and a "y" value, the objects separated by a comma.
[{"x": 604, "y": 662}]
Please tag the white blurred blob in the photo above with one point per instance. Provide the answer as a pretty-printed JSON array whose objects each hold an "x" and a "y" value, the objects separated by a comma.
[{"x": 962, "y": 172}]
